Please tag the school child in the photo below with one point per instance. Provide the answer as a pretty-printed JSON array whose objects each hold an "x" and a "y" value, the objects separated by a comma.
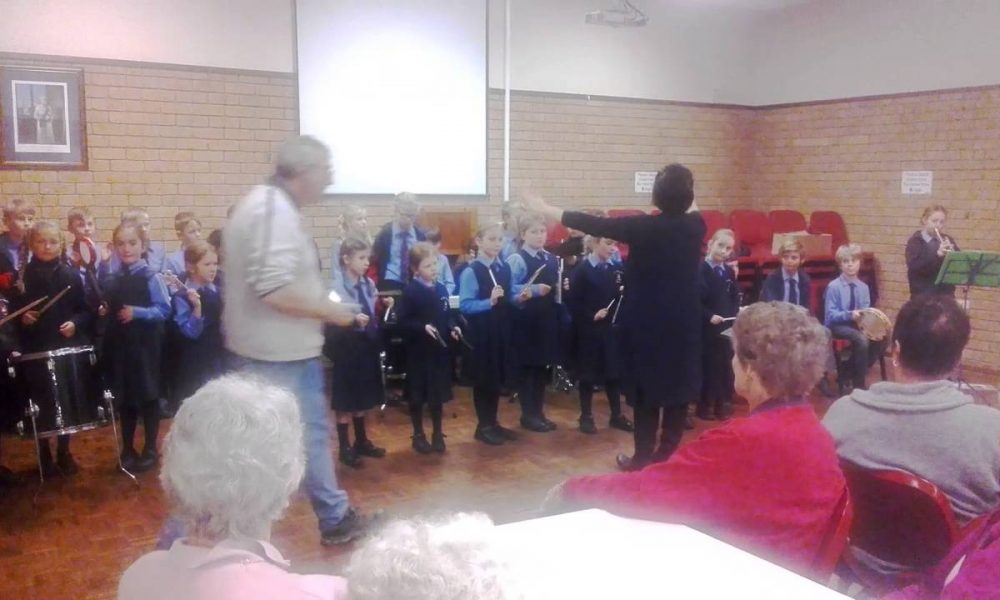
[
  {"x": 485, "y": 296},
  {"x": 594, "y": 295},
  {"x": 445, "y": 276},
  {"x": 536, "y": 319},
  {"x": 845, "y": 297},
  {"x": 137, "y": 305},
  {"x": 357, "y": 371},
  {"x": 153, "y": 253},
  {"x": 424, "y": 316},
  {"x": 18, "y": 218},
  {"x": 64, "y": 324},
  {"x": 188, "y": 229},
  {"x": 353, "y": 224},
  {"x": 198, "y": 318},
  {"x": 789, "y": 283},
  {"x": 720, "y": 298}
]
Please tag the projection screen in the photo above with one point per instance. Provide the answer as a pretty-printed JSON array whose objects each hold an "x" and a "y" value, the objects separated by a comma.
[{"x": 397, "y": 90}]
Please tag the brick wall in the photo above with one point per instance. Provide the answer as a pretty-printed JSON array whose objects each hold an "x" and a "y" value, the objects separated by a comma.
[{"x": 848, "y": 156}]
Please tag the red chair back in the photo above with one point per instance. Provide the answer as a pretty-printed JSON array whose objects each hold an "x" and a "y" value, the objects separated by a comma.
[
  {"x": 899, "y": 517},
  {"x": 783, "y": 221},
  {"x": 829, "y": 221},
  {"x": 835, "y": 540},
  {"x": 714, "y": 221},
  {"x": 556, "y": 233},
  {"x": 614, "y": 213},
  {"x": 753, "y": 230}
]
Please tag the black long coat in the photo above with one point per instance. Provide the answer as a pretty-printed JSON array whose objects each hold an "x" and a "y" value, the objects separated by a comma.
[{"x": 659, "y": 322}]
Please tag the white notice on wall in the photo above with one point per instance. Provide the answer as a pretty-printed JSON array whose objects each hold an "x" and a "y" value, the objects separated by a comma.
[
  {"x": 917, "y": 182},
  {"x": 644, "y": 181}
]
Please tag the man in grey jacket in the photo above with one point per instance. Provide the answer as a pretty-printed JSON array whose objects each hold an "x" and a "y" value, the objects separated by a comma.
[
  {"x": 921, "y": 423},
  {"x": 275, "y": 307}
]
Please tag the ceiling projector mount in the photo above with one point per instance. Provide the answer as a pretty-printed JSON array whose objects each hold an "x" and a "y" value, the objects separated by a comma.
[{"x": 622, "y": 14}]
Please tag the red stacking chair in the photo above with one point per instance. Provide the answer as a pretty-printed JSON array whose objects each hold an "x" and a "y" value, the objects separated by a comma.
[
  {"x": 655, "y": 211},
  {"x": 783, "y": 221},
  {"x": 835, "y": 540},
  {"x": 714, "y": 221},
  {"x": 900, "y": 518},
  {"x": 556, "y": 233},
  {"x": 614, "y": 213},
  {"x": 829, "y": 221},
  {"x": 753, "y": 230}
]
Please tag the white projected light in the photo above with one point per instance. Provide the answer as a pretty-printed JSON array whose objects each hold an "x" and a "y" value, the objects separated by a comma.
[{"x": 397, "y": 90}]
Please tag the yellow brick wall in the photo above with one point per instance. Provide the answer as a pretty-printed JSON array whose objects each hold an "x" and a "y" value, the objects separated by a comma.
[{"x": 848, "y": 156}]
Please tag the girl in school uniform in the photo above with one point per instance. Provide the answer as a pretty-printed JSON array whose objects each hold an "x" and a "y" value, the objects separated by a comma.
[
  {"x": 353, "y": 224},
  {"x": 485, "y": 292},
  {"x": 536, "y": 319},
  {"x": 720, "y": 298},
  {"x": 355, "y": 351},
  {"x": 925, "y": 252},
  {"x": 595, "y": 291},
  {"x": 137, "y": 305},
  {"x": 424, "y": 316},
  {"x": 64, "y": 324},
  {"x": 198, "y": 317}
]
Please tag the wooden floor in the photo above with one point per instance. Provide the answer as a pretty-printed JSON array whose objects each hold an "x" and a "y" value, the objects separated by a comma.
[{"x": 85, "y": 530}]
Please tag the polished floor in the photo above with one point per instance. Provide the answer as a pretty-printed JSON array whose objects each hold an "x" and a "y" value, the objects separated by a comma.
[{"x": 75, "y": 540}]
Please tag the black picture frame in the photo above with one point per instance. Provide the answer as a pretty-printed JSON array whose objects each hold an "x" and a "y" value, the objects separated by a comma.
[{"x": 42, "y": 118}]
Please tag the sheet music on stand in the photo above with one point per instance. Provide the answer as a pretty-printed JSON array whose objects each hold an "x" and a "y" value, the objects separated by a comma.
[{"x": 966, "y": 270}]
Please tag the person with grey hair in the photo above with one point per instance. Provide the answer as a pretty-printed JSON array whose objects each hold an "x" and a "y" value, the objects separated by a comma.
[
  {"x": 451, "y": 559},
  {"x": 769, "y": 483},
  {"x": 275, "y": 307},
  {"x": 232, "y": 459},
  {"x": 391, "y": 248}
]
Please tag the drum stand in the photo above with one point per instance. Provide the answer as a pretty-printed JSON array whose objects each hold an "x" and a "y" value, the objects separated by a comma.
[{"x": 109, "y": 403}]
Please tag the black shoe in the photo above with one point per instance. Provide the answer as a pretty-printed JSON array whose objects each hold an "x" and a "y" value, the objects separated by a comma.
[
  {"x": 630, "y": 463},
  {"x": 367, "y": 448},
  {"x": 489, "y": 435},
  {"x": 128, "y": 459},
  {"x": 437, "y": 443},
  {"x": 508, "y": 435},
  {"x": 587, "y": 425},
  {"x": 350, "y": 458},
  {"x": 549, "y": 424},
  {"x": 621, "y": 422},
  {"x": 534, "y": 424},
  {"x": 351, "y": 527},
  {"x": 724, "y": 412},
  {"x": 66, "y": 464},
  {"x": 420, "y": 444},
  {"x": 704, "y": 415},
  {"x": 689, "y": 422},
  {"x": 146, "y": 461},
  {"x": 8, "y": 478}
]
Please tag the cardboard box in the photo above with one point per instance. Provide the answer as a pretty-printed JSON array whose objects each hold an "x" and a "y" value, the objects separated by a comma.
[{"x": 813, "y": 244}]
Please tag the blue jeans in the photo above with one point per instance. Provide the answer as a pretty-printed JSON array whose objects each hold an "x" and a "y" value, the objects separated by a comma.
[{"x": 304, "y": 378}]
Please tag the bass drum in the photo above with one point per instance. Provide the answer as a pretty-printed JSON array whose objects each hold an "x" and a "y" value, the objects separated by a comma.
[{"x": 62, "y": 389}]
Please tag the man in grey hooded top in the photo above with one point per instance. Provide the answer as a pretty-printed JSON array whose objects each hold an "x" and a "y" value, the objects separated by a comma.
[{"x": 922, "y": 423}]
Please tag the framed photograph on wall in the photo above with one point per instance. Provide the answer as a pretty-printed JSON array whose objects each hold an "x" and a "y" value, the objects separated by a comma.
[{"x": 42, "y": 119}]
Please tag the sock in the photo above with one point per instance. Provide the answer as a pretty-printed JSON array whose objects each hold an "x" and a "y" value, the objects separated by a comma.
[
  {"x": 614, "y": 397},
  {"x": 151, "y": 423},
  {"x": 360, "y": 436},
  {"x": 129, "y": 421},
  {"x": 343, "y": 436},
  {"x": 436, "y": 411},
  {"x": 586, "y": 398},
  {"x": 417, "y": 418}
]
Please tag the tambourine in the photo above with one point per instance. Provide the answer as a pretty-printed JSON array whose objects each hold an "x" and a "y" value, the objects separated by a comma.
[
  {"x": 874, "y": 324},
  {"x": 86, "y": 250}
]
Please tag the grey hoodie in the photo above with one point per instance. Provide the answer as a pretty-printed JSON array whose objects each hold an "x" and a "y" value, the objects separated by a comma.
[{"x": 929, "y": 429}]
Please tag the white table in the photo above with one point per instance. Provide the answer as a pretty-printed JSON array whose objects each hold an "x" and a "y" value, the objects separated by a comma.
[{"x": 594, "y": 554}]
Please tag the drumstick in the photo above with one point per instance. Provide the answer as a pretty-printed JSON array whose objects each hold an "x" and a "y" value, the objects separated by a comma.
[
  {"x": 608, "y": 307},
  {"x": 437, "y": 336},
  {"x": 535, "y": 275},
  {"x": 728, "y": 319},
  {"x": 23, "y": 310},
  {"x": 49, "y": 304},
  {"x": 495, "y": 284}
]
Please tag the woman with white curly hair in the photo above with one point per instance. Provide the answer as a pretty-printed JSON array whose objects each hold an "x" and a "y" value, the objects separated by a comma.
[
  {"x": 453, "y": 559},
  {"x": 233, "y": 458},
  {"x": 769, "y": 483}
]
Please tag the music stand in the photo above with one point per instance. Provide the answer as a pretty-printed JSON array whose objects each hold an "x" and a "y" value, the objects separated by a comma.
[{"x": 967, "y": 270}]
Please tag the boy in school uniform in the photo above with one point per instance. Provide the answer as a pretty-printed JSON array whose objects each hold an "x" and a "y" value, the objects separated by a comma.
[
  {"x": 789, "y": 283},
  {"x": 391, "y": 248},
  {"x": 536, "y": 320},
  {"x": 188, "y": 229},
  {"x": 445, "y": 276},
  {"x": 18, "y": 218},
  {"x": 845, "y": 297}
]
